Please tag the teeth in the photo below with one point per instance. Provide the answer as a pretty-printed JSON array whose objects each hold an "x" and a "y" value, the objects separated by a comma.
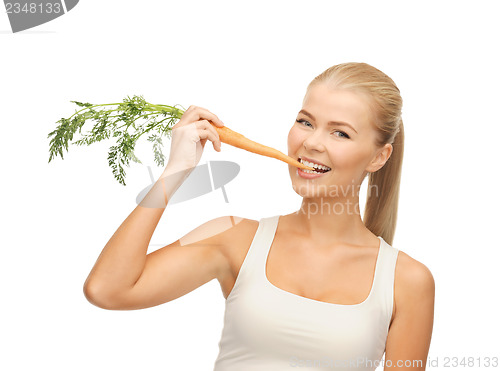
[
  {"x": 312, "y": 164},
  {"x": 311, "y": 171}
]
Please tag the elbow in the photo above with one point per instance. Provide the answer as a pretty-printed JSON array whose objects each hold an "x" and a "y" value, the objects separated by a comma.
[
  {"x": 91, "y": 294},
  {"x": 95, "y": 296}
]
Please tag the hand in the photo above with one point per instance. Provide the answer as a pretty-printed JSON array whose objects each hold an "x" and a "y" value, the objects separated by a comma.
[{"x": 189, "y": 136}]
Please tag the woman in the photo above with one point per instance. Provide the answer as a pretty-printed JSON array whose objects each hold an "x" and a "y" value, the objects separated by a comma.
[{"x": 316, "y": 288}]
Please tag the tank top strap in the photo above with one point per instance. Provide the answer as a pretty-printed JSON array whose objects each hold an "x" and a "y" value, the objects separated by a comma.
[
  {"x": 268, "y": 227},
  {"x": 383, "y": 285},
  {"x": 249, "y": 270}
]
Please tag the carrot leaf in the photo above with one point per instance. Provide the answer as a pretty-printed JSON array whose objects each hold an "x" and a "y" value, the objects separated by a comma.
[{"x": 127, "y": 121}]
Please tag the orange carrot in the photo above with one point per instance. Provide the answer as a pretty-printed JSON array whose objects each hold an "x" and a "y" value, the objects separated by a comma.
[{"x": 235, "y": 139}]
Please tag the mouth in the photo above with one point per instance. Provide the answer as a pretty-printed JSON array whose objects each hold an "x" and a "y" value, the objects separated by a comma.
[{"x": 320, "y": 169}]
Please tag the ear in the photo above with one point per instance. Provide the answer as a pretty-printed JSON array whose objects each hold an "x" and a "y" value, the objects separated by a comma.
[{"x": 380, "y": 158}]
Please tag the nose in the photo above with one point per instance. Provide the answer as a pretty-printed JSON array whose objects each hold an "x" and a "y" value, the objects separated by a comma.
[{"x": 314, "y": 142}]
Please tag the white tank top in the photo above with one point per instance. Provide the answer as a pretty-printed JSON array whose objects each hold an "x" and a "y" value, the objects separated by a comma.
[{"x": 270, "y": 329}]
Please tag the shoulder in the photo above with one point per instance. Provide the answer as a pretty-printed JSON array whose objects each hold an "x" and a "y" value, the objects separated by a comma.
[
  {"x": 413, "y": 281},
  {"x": 221, "y": 236},
  {"x": 218, "y": 231},
  {"x": 225, "y": 239},
  {"x": 410, "y": 331},
  {"x": 225, "y": 233},
  {"x": 232, "y": 246},
  {"x": 239, "y": 231}
]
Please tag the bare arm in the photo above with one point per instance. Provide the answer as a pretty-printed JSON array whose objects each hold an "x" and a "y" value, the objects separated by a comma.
[
  {"x": 123, "y": 261},
  {"x": 410, "y": 333},
  {"x": 176, "y": 269}
]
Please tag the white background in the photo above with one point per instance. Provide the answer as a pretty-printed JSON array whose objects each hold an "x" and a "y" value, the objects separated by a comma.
[{"x": 248, "y": 62}]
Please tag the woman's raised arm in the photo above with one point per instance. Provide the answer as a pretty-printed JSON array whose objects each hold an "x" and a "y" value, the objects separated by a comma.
[{"x": 123, "y": 266}]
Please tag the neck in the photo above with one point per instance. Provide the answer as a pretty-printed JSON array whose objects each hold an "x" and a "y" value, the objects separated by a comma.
[{"x": 330, "y": 220}]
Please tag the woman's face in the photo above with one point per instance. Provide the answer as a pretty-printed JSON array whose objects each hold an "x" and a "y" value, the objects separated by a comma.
[{"x": 334, "y": 128}]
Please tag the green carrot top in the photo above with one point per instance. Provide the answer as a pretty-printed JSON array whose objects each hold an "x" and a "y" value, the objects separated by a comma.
[{"x": 115, "y": 120}]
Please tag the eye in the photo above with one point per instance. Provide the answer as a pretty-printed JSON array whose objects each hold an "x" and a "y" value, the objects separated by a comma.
[
  {"x": 344, "y": 135},
  {"x": 302, "y": 121}
]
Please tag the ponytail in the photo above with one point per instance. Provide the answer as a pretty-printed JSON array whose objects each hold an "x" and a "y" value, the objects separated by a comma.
[{"x": 381, "y": 210}]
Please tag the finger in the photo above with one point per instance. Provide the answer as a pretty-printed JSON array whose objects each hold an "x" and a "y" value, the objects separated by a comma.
[
  {"x": 207, "y": 125},
  {"x": 206, "y": 130},
  {"x": 193, "y": 107},
  {"x": 199, "y": 113},
  {"x": 207, "y": 135}
]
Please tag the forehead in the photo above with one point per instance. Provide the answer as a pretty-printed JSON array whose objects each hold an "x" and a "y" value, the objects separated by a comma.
[{"x": 328, "y": 104}]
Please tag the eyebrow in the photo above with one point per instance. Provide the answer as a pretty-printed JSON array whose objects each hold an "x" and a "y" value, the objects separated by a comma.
[{"x": 330, "y": 122}]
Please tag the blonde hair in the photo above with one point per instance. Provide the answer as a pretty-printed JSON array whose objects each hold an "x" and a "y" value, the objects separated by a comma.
[{"x": 381, "y": 209}]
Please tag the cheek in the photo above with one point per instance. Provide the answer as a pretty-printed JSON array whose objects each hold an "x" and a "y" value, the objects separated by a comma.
[
  {"x": 346, "y": 157},
  {"x": 294, "y": 139}
]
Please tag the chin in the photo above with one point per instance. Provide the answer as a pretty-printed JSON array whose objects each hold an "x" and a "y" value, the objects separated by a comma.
[{"x": 311, "y": 188}]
